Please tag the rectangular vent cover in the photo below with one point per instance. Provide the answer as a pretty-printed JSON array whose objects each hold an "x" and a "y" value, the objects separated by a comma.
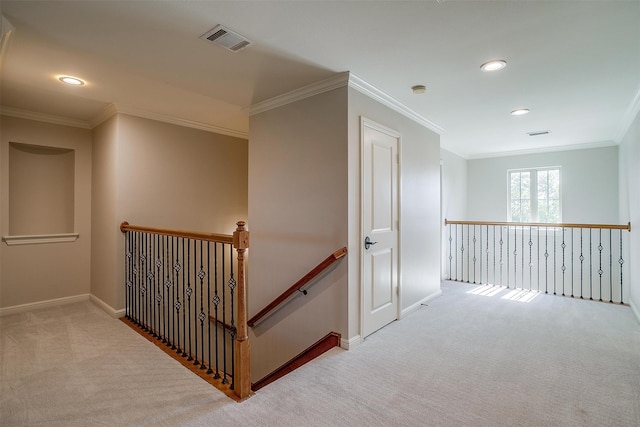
[
  {"x": 226, "y": 38},
  {"x": 538, "y": 133}
]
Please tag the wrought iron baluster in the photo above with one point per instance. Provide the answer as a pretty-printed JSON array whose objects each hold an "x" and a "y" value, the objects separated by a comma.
[
  {"x": 474, "y": 254},
  {"x": 572, "y": 268},
  {"x": 621, "y": 262},
  {"x": 216, "y": 302},
  {"x": 581, "y": 267},
  {"x": 515, "y": 258},
  {"x": 462, "y": 253},
  {"x": 148, "y": 266},
  {"x": 600, "y": 271},
  {"x": 564, "y": 245},
  {"x": 456, "y": 259},
  {"x": 530, "y": 259},
  {"x": 546, "y": 260},
  {"x": 184, "y": 299},
  {"x": 165, "y": 268},
  {"x": 177, "y": 267},
  {"x": 555, "y": 234},
  {"x": 202, "y": 316},
  {"x": 590, "y": 265},
  {"x": 610, "y": 267},
  {"x": 128, "y": 274},
  {"x": 189, "y": 292},
  {"x": 538, "y": 257},
  {"x": 450, "y": 253},
  {"x": 171, "y": 305},
  {"x": 159, "y": 285},
  {"x": 225, "y": 380},
  {"x": 501, "y": 262},
  {"x": 209, "y": 371},
  {"x": 507, "y": 256},
  {"x": 522, "y": 256},
  {"x": 232, "y": 287},
  {"x": 136, "y": 272},
  {"x": 494, "y": 254},
  {"x": 487, "y": 254},
  {"x": 480, "y": 254},
  {"x": 468, "y": 255},
  {"x": 196, "y": 362}
]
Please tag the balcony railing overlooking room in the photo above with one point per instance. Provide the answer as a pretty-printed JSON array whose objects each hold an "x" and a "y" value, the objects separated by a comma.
[
  {"x": 585, "y": 261},
  {"x": 185, "y": 291}
]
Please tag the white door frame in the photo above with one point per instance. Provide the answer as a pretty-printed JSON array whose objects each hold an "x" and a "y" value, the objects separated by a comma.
[{"x": 364, "y": 121}]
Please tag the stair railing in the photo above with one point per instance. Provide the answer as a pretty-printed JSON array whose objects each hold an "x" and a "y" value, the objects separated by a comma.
[
  {"x": 175, "y": 283},
  {"x": 576, "y": 260},
  {"x": 297, "y": 287}
]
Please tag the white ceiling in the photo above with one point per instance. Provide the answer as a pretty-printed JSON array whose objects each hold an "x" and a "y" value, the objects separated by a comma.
[{"x": 574, "y": 64}]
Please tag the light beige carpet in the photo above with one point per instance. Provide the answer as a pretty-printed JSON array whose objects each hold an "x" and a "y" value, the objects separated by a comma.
[{"x": 470, "y": 358}]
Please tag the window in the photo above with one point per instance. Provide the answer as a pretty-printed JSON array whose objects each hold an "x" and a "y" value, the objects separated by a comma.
[{"x": 534, "y": 195}]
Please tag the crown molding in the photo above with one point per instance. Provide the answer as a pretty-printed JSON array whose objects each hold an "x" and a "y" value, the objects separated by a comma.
[
  {"x": 308, "y": 91},
  {"x": 373, "y": 92},
  {"x": 42, "y": 117},
  {"x": 628, "y": 118},
  {"x": 343, "y": 79},
  {"x": 555, "y": 149},
  {"x": 113, "y": 109}
]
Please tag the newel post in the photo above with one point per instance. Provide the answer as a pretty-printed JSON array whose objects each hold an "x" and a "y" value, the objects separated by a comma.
[{"x": 242, "y": 382}]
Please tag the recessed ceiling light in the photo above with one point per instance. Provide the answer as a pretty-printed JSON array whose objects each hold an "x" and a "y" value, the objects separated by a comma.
[
  {"x": 520, "y": 112},
  {"x": 74, "y": 81},
  {"x": 418, "y": 89},
  {"x": 494, "y": 65}
]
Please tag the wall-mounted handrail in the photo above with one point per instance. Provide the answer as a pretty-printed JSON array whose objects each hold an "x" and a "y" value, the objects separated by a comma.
[
  {"x": 541, "y": 224},
  {"x": 297, "y": 287},
  {"x": 324, "y": 344}
]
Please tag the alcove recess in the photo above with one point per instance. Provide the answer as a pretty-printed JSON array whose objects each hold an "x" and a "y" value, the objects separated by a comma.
[{"x": 41, "y": 194}]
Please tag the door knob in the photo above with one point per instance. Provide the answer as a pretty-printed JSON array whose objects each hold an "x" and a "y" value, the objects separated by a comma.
[{"x": 368, "y": 243}]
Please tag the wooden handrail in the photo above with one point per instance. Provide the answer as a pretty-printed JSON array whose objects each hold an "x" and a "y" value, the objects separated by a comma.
[
  {"x": 324, "y": 344},
  {"x": 542, "y": 224},
  {"x": 208, "y": 237},
  {"x": 298, "y": 285}
]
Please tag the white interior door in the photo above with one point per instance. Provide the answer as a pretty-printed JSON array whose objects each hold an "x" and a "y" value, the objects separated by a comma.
[{"x": 379, "y": 226}]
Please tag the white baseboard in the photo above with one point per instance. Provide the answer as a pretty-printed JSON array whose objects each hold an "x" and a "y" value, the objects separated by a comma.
[
  {"x": 351, "y": 342},
  {"x": 107, "y": 308},
  {"x": 635, "y": 310},
  {"x": 414, "y": 307},
  {"x": 42, "y": 304}
]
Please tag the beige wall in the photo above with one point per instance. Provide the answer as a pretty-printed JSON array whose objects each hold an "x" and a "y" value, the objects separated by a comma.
[
  {"x": 304, "y": 192},
  {"x": 297, "y": 217},
  {"x": 41, "y": 272},
  {"x": 419, "y": 206},
  {"x": 105, "y": 249},
  {"x": 160, "y": 175}
]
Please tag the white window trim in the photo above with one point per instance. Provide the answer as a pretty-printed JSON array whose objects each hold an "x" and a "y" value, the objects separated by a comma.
[{"x": 534, "y": 184}]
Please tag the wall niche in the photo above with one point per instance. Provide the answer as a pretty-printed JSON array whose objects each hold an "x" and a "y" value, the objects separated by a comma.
[{"x": 41, "y": 190}]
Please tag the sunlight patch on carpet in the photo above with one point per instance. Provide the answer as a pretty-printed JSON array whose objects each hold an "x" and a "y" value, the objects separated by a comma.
[{"x": 519, "y": 295}]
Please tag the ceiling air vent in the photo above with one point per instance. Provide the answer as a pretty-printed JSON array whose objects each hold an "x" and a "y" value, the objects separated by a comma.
[
  {"x": 226, "y": 38},
  {"x": 539, "y": 132}
]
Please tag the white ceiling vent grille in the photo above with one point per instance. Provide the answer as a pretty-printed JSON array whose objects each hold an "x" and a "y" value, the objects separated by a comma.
[
  {"x": 226, "y": 38},
  {"x": 539, "y": 132}
]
